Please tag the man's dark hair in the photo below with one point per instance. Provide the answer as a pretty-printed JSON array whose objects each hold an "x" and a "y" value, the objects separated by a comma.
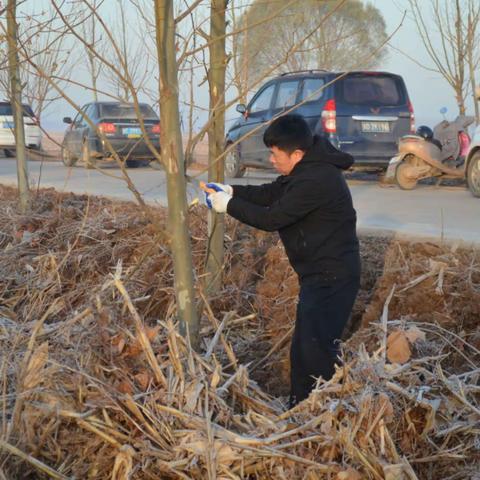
[{"x": 289, "y": 133}]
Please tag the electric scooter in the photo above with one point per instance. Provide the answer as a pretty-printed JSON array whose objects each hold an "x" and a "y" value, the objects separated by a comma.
[{"x": 439, "y": 153}]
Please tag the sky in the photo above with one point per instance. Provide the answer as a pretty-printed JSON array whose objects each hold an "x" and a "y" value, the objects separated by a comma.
[{"x": 428, "y": 91}]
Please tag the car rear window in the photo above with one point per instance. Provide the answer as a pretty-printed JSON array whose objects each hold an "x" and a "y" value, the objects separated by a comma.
[
  {"x": 6, "y": 109},
  {"x": 377, "y": 90},
  {"x": 126, "y": 111}
]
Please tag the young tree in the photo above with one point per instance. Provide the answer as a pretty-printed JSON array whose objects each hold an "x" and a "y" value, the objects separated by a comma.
[
  {"x": 172, "y": 159},
  {"x": 216, "y": 137}
]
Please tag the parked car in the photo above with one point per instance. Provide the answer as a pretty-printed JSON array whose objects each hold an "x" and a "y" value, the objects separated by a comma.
[
  {"x": 362, "y": 113},
  {"x": 33, "y": 134},
  {"x": 115, "y": 129},
  {"x": 472, "y": 161}
]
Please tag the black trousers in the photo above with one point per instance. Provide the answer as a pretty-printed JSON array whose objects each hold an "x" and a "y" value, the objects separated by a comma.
[{"x": 322, "y": 313}]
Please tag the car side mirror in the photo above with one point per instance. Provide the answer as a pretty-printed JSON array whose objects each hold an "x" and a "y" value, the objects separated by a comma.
[
  {"x": 67, "y": 120},
  {"x": 241, "y": 108}
]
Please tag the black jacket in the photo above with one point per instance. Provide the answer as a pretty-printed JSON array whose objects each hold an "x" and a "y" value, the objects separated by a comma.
[{"x": 312, "y": 210}]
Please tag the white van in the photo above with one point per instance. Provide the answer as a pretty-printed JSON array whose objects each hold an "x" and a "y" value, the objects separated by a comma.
[{"x": 33, "y": 134}]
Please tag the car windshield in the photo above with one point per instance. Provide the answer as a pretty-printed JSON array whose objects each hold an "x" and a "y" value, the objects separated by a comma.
[
  {"x": 6, "y": 109},
  {"x": 126, "y": 111},
  {"x": 378, "y": 90}
]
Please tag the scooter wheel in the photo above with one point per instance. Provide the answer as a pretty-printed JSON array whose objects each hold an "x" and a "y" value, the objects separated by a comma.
[
  {"x": 404, "y": 181},
  {"x": 473, "y": 174}
]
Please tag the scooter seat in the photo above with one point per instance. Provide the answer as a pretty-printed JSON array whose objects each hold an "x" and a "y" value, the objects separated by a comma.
[{"x": 418, "y": 138}]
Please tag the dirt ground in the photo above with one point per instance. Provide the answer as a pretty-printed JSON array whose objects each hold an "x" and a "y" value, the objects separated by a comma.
[
  {"x": 447, "y": 293},
  {"x": 70, "y": 346},
  {"x": 276, "y": 295}
]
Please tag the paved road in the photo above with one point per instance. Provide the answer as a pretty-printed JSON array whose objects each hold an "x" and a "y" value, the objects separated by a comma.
[{"x": 449, "y": 213}]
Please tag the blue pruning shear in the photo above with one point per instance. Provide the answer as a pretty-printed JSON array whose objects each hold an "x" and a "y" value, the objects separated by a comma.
[{"x": 207, "y": 188}]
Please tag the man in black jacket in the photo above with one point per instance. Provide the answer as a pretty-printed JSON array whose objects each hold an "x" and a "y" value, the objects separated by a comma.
[{"x": 311, "y": 208}]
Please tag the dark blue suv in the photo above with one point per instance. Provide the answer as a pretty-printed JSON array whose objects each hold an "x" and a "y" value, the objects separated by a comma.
[{"x": 362, "y": 113}]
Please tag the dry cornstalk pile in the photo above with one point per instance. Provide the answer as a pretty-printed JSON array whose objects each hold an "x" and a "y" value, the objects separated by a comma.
[{"x": 97, "y": 382}]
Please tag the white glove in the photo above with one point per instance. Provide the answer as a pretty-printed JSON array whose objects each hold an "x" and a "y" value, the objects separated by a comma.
[
  {"x": 226, "y": 188},
  {"x": 219, "y": 201}
]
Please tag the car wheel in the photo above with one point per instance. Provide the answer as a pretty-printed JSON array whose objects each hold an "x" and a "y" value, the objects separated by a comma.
[
  {"x": 402, "y": 174},
  {"x": 473, "y": 174},
  {"x": 88, "y": 161},
  {"x": 68, "y": 159},
  {"x": 133, "y": 163},
  {"x": 233, "y": 165},
  {"x": 8, "y": 153},
  {"x": 155, "y": 164}
]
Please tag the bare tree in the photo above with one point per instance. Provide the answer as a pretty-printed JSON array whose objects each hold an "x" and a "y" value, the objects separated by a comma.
[
  {"x": 129, "y": 56},
  {"x": 240, "y": 44},
  {"x": 45, "y": 42},
  {"x": 54, "y": 55},
  {"x": 453, "y": 44},
  {"x": 94, "y": 39}
]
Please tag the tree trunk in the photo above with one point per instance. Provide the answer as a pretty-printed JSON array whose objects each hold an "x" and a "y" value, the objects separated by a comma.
[
  {"x": 126, "y": 92},
  {"x": 172, "y": 158},
  {"x": 240, "y": 52},
  {"x": 460, "y": 100},
  {"x": 90, "y": 34},
  {"x": 473, "y": 86},
  {"x": 92, "y": 66},
  {"x": 472, "y": 25},
  {"x": 16, "y": 100},
  {"x": 460, "y": 47},
  {"x": 94, "y": 78},
  {"x": 216, "y": 139}
]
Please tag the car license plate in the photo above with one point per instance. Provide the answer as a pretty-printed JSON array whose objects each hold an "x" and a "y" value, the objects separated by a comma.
[
  {"x": 132, "y": 132},
  {"x": 8, "y": 125},
  {"x": 376, "y": 127}
]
